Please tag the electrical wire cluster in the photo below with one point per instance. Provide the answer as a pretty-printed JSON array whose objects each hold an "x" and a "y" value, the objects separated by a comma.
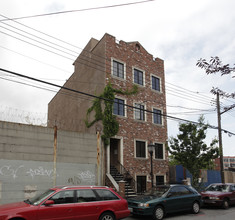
[{"x": 12, "y": 28}]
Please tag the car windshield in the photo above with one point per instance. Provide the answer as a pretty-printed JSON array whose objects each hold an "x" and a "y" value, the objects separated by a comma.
[
  {"x": 219, "y": 188},
  {"x": 157, "y": 191},
  {"x": 38, "y": 199}
]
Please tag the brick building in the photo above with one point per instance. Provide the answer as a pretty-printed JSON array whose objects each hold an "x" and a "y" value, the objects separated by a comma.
[
  {"x": 229, "y": 163},
  {"x": 123, "y": 64}
]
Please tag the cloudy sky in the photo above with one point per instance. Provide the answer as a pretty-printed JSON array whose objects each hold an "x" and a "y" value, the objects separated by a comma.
[{"x": 179, "y": 32}]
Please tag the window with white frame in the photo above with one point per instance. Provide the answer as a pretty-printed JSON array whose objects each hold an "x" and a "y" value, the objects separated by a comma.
[
  {"x": 157, "y": 116},
  {"x": 159, "y": 151},
  {"x": 139, "y": 112},
  {"x": 138, "y": 77},
  {"x": 140, "y": 149},
  {"x": 118, "y": 69},
  {"x": 118, "y": 107},
  {"x": 155, "y": 83}
]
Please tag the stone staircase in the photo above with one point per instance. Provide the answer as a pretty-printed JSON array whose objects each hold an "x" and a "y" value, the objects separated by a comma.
[{"x": 129, "y": 191}]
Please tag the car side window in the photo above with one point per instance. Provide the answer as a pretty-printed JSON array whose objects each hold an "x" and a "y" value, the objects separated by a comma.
[
  {"x": 179, "y": 191},
  {"x": 63, "y": 197},
  {"x": 86, "y": 195},
  {"x": 106, "y": 195},
  {"x": 233, "y": 188}
]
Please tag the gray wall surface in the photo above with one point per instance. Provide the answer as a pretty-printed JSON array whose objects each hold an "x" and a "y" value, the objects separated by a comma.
[{"x": 29, "y": 164}]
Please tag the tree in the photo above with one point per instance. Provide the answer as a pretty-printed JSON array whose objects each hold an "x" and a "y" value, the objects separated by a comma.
[
  {"x": 190, "y": 150},
  {"x": 214, "y": 66},
  {"x": 110, "y": 123}
]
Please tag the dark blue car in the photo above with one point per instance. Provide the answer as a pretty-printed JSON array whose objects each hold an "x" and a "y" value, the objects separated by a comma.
[{"x": 165, "y": 199}]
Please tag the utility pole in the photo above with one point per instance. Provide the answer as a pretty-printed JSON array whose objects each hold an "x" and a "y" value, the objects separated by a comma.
[{"x": 220, "y": 140}]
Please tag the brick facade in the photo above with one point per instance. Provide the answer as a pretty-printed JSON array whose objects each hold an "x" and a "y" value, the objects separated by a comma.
[{"x": 97, "y": 71}]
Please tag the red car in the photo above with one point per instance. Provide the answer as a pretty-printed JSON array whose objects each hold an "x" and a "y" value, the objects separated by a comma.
[
  {"x": 219, "y": 194},
  {"x": 69, "y": 203}
]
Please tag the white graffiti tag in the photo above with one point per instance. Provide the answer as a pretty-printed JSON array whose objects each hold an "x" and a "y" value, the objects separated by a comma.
[
  {"x": 87, "y": 176},
  {"x": 40, "y": 171},
  {"x": 8, "y": 171}
]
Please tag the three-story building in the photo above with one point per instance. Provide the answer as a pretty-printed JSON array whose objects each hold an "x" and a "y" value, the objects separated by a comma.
[{"x": 123, "y": 64}]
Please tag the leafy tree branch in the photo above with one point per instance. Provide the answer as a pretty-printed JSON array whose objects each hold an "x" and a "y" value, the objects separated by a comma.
[{"x": 190, "y": 150}]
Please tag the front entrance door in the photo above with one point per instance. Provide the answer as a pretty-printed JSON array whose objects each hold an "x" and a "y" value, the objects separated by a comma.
[{"x": 114, "y": 152}]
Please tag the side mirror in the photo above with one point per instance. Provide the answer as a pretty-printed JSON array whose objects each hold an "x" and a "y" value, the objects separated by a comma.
[{"x": 49, "y": 202}]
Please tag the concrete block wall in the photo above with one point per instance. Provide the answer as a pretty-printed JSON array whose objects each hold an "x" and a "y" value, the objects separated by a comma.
[{"x": 28, "y": 165}]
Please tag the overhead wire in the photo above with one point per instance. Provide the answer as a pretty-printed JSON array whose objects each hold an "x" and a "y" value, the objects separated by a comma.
[
  {"x": 28, "y": 57},
  {"x": 189, "y": 97},
  {"x": 79, "y": 10},
  {"x": 203, "y": 97},
  {"x": 184, "y": 95},
  {"x": 93, "y": 96},
  {"x": 89, "y": 51}
]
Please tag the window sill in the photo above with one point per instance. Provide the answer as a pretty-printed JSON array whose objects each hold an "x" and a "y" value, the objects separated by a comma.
[{"x": 118, "y": 78}]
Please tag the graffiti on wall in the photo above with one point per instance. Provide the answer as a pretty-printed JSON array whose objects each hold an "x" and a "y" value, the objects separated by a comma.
[
  {"x": 40, "y": 171},
  {"x": 83, "y": 176},
  {"x": 9, "y": 171},
  {"x": 14, "y": 172}
]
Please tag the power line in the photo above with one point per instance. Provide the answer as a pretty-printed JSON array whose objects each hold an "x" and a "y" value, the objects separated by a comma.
[
  {"x": 178, "y": 92},
  {"x": 28, "y": 57},
  {"x": 79, "y": 10},
  {"x": 190, "y": 91},
  {"x": 186, "y": 96},
  {"x": 93, "y": 96},
  {"x": 186, "y": 93}
]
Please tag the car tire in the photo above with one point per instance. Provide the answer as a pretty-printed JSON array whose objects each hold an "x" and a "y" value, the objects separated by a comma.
[
  {"x": 107, "y": 216},
  {"x": 225, "y": 204},
  {"x": 195, "y": 207},
  {"x": 158, "y": 213}
]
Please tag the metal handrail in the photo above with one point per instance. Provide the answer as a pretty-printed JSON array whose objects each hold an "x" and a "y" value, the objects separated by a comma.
[{"x": 127, "y": 177}]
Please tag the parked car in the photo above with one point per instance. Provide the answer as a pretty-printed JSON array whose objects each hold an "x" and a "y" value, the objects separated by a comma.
[
  {"x": 165, "y": 199},
  {"x": 219, "y": 194},
  {"x": 70, "y": 203}
]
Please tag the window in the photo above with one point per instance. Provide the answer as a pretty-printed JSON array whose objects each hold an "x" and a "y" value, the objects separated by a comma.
[
  {"x": 157, "y": 116},
  {"x": 141, "y": 184},
  {"x": 138, "y": 77},
  {"x": 118, "y": 69},
  {"x": 179, "y": 191},
  {"x": 139, "y": 112},
  {"x": 156, "y": 83},
  {"x": 118, "y": 107},
  {"x": 63, "y": 197},
  {"x": 160, "y": 180},
  {"x": 137, "y": 48},
  {"x": 86, "y": 195},
  {"x": 140, "y": 149},
  {"x": 233, "y": 188},
  {"x": 106, "y": 195},
  {"x": 159, "y": 151}
]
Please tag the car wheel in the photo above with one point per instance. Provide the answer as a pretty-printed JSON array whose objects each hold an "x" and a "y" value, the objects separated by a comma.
[
  {"x": 107, "y": 216},
  {"x": 158, "y": 213},
  {"x": 225, "y": 204},
  {"x": 196, "y": 208}
]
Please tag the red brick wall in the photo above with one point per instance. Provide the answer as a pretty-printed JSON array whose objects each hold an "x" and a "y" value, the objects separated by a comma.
[{"x": 132, "y": 129}]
